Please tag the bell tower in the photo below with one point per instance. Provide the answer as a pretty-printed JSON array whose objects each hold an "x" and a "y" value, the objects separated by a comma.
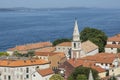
[{"x": 76, "y": 43}]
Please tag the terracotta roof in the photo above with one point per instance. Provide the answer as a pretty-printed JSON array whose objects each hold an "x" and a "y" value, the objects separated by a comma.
[
  {"x": 101, "y": 58},
  {"x": 48, "y": 53},
  {"x": 112, "y": 46},
  {"x": 17, "y": 63},
  {"x": 65, "y": 44},
  {"x": 45, "y": 72},
  {"x": 99, "y": 69},
  {"x": 114, "y": 38},
  {"x": 31, "y": 46},
  {"x": 75, "y": 63},
  {"x": 47, "y": 49},
  {"x": 88, "y": 46},
  {"x": 85, "y": 63}
]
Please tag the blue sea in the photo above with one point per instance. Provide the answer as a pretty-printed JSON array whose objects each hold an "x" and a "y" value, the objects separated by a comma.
[{"x": 30, "y": 26}]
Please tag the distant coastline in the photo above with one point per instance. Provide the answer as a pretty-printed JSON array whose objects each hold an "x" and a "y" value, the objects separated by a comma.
[{"x": 46, "y": 9}]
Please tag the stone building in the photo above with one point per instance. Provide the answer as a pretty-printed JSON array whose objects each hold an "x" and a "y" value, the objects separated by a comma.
[
  {"x": 76, "y": 49},
  {"x": 21, "y": 69},
  {"x": 113, "y": 44}
]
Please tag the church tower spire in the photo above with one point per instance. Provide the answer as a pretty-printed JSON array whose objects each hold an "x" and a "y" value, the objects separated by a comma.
[
  {"x": 90, "y": 76},
  {"x": 76, "y": 44},
  {"x": 76, "y": 32}
]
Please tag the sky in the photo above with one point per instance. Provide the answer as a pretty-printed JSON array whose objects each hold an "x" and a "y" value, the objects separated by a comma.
[{"x": 60, "y": 3}]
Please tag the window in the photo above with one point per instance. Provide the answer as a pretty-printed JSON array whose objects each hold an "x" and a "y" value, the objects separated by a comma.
[
  {"x": 113, "y": 42},
  {"x": 74, "y": 45},
  {"x": 21, "y": 69},
  {"x": 34, "y": 75},
  {"x": 4, "y": 76},
  {"x": 119, "y": 42},
  {"x": 9, "y": 77},
  {"x": 112, "y": 70},
  {"x": 37, "y": 67},
  {"x": 111, "y": 48},
  {"x": 106, "y": 64},
  {"x": 27, "y": 70},
  {"x": 27, "y": 76},
  {"x": 4, "y": 69}
]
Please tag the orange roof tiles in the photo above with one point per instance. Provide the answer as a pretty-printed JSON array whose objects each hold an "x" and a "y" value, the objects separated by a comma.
[
  {"x": 112, "y": 46},
  {"x": 45, "y": 72},
  {"x": 65, "y": 44},
  {"x": 101, "y": 58},
  {"x": 85, "y": 63},
  {"x": 75, "y": 63},
  {"x": 114, "y": 38},
  {"x": 17, "y": 63},
  {"x": 99, "y": 69},
  {"x": 47, "y": 49},
  {"x": 31, "y": 46},
  {"x": 48, "y": 53}
]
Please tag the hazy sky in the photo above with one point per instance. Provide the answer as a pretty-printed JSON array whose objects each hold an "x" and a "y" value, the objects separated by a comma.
[{"x": 60, "y": 3}]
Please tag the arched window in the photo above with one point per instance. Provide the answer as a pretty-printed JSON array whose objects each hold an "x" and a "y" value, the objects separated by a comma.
[
  {"x": 74, "y": 45},
  {"x": 113, "y": 42}
]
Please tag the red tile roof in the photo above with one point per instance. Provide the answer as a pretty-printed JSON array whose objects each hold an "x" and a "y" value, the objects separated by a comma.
[
  {"x": 69, "y": 44},
  {"x": 114, "y": 38},
  {"x": 48, "y": 53},
  {"x": 75, "y": 63},
  {"x": 101, "y": 58},
  {"x": 46, "y": 49},
  {"x": 85, "y": 63},
  {"x": 31, "y": 46},
  {"x": 17, "y": 63},
  {"x": 112, "y": 46},
  {"x": 45, "y": 72}
]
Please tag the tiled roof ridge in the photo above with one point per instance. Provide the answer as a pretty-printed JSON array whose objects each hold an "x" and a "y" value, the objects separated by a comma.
[{"x": 45, "y": 72}]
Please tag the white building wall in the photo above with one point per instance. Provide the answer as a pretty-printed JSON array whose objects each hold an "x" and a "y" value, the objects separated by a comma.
[
  {"x": 19, "y": 73},
  {"x": 64, "y": 49},
  {"x": 92, "y": 52},
  {"x": 10, "y": 52},
  {"x": 109, "y": 42},
  {"x": 37, "y": 76},
  {"x": 114, "y": 71},
  {"x": 111, "y": 50},
  {"x": 103, "y": 65}
]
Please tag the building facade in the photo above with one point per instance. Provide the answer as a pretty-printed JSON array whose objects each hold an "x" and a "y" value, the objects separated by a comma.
[
  {"x": 20, "y": 69},
  {"x": 113, "y": 44}
]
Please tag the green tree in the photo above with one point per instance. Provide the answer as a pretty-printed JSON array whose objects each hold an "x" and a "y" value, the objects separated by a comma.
[
  {"x": 83, "y": 71},
  {"x": 81, "y": 77},
  {"x": 56, "y": 77},
  {"x": 113, "y": 78},
  {"x": 16, "y": 53},
  {"x": 118, "y": 50},
  {"x": 96, "y": 36},
  {"x": 30, "y": 53},
  {"x": 4, "y": 54},
  {"x": 58, "y": 41}
]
